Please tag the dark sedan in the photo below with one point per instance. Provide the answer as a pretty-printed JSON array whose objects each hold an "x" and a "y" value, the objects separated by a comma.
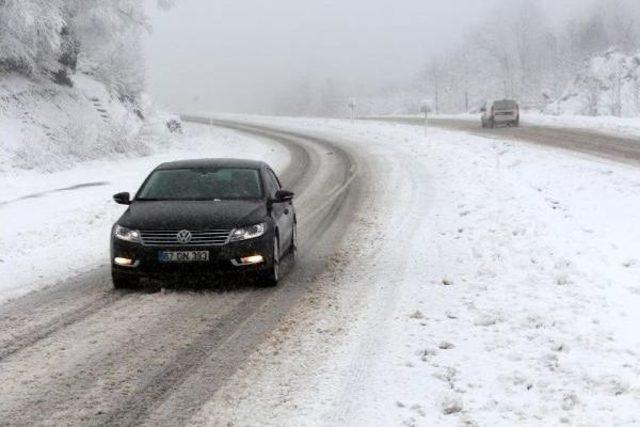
[{"x": 201, "y": 217}]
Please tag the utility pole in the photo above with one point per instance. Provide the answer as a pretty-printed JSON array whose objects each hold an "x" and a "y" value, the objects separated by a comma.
[
  {"x": 425, "y": 109},
  {"x": 352, "y": 107}
]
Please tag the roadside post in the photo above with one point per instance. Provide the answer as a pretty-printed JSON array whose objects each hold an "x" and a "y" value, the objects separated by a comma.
[
  {"x": 425, "y": 109},
  {"x": 352, "y": 107}
]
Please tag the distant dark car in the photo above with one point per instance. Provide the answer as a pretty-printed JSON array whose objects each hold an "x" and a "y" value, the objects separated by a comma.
[
  {"x": 502, "y": 112},
  {"x": 200, "y": 217}
]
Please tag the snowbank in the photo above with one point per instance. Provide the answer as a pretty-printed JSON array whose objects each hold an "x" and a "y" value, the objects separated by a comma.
[
  {"x": 609, "y": 85},
  {"x": 49, "y": 127},
  {"x": 624, "y": 127}
]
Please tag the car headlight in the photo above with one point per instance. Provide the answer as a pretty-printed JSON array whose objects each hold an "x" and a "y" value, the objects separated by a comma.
[
  {"x": 124, "y": 233},
  {"x": 250, "y": 232}
]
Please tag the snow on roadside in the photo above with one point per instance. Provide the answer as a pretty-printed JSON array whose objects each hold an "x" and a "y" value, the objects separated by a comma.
[
  {"x": 616, "y": 126},
  {"x": 484, "y": 283},
  {"x": 56, "y": 225},
  {"x": 49, "y": 127}
]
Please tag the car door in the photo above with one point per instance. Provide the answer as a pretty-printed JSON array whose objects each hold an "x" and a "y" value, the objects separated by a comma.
[{"x": 282, "y": 212}]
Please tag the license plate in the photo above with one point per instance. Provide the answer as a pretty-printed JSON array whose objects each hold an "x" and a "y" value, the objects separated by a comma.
[{"x": 183, "y": 256}]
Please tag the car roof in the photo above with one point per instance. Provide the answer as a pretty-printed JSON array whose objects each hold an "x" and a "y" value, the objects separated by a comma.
[{"x": 213, "y": 163}]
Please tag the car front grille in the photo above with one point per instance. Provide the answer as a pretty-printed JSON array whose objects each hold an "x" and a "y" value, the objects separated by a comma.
[{"x": 213, "y": 237}]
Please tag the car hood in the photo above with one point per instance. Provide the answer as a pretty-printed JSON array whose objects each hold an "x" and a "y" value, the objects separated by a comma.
[{"x": 192, "y": 215}]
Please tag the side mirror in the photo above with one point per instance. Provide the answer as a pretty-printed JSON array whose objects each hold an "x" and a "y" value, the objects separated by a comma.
[
  {"x": 483, "y": 109},
  {"x": 122, "y": 198},
  {"x": 283, "y": 196}
]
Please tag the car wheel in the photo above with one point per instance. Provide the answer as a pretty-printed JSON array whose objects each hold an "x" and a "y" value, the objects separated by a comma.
[
  {"x": 492, "y": 124},
  {"x": 122, "y": 281},
  {"x": 271, "y": 277}
]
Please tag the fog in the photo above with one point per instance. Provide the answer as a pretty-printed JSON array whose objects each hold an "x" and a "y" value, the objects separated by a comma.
[{"x": 254, "y": 56}]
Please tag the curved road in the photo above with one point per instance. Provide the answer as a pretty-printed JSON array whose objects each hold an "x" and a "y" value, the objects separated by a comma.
[
  {"x": 82, "y": 353},
  {"x": 611, "y": 147}
]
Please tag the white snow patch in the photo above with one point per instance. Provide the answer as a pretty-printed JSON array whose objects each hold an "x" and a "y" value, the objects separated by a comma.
[
  {"x": 48, "y": 127},
  {"x": 608, "y": 84}
]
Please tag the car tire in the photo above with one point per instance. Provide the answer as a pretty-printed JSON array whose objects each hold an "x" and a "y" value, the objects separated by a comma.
[
  {"x": 271, "y": 276},
  {"x": 492, "y": 124},
  {"x": 123, "y": 281}
]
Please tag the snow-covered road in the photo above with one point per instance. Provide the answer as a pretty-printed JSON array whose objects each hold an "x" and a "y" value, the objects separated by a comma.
[
  {"x": 483, "y": 282},
  {"x": 460, "y": 279},
  {"x": 126, "y": 358}
]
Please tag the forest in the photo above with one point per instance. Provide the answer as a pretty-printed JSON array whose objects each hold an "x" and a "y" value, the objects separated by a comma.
[
  {"x": 521, "y": 52},
  {"x": 52, "y": 39}
]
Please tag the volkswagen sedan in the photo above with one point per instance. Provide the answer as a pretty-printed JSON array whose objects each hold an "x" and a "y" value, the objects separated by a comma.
[{"x": 201, "y": 217}]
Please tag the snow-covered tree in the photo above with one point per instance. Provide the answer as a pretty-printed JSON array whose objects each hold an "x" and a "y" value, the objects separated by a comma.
[
  {"x": 109, "y": 34},
  {"x": 30, "y": 35},
  {"x": 53, "y": 38},
  {"x": 516, "y": 53}
]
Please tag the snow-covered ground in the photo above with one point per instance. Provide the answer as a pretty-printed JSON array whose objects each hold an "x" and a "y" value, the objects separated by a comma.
[
  {"x": 55, "y": 225},
  {"x": 484, "y": 283},
  {"x": 48, "y": 127},
  {"x": 616, "y": 126},
  {"x": 606, "y": 84}
]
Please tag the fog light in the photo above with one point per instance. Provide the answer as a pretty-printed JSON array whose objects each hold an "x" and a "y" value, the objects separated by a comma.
[
  {"x": 253, "y": 259},
  {"x": 127, "y": 262}
]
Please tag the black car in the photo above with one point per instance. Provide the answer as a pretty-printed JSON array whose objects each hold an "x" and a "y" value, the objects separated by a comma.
[{"x": 200, "y": 217}]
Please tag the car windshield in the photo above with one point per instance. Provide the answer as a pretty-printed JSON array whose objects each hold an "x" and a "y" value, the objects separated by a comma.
[{"x": 202, "y": 184}]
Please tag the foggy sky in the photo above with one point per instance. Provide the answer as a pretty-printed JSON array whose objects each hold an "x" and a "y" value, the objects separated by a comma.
[{"x": 247, "y": 55}]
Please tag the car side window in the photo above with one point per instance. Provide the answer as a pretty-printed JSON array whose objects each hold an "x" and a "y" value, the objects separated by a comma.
[
  {"x": 275, "y": 182},
  {"x": 268, "y": 183},
  {"x": 271, "y": 182}
]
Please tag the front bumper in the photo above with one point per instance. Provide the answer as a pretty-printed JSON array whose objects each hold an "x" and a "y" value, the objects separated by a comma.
[{"x": 146, "y": 258}]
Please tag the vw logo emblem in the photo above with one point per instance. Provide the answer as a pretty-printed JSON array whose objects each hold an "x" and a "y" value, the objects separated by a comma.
[{"x": 183, "y": 236}]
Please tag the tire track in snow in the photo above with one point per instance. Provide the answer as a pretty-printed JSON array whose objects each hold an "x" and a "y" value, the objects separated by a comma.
[
  {"x": 28, "y": 319},
  {"x": 119, "y": 378},
  {"x": 374, "y": 331},
  {"x": 58, "y": 308}
]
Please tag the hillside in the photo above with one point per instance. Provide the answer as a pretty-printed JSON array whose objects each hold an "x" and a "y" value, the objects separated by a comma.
[
  {"x": 608, "y": 85},
  {"x": 49, "y": 127}
]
